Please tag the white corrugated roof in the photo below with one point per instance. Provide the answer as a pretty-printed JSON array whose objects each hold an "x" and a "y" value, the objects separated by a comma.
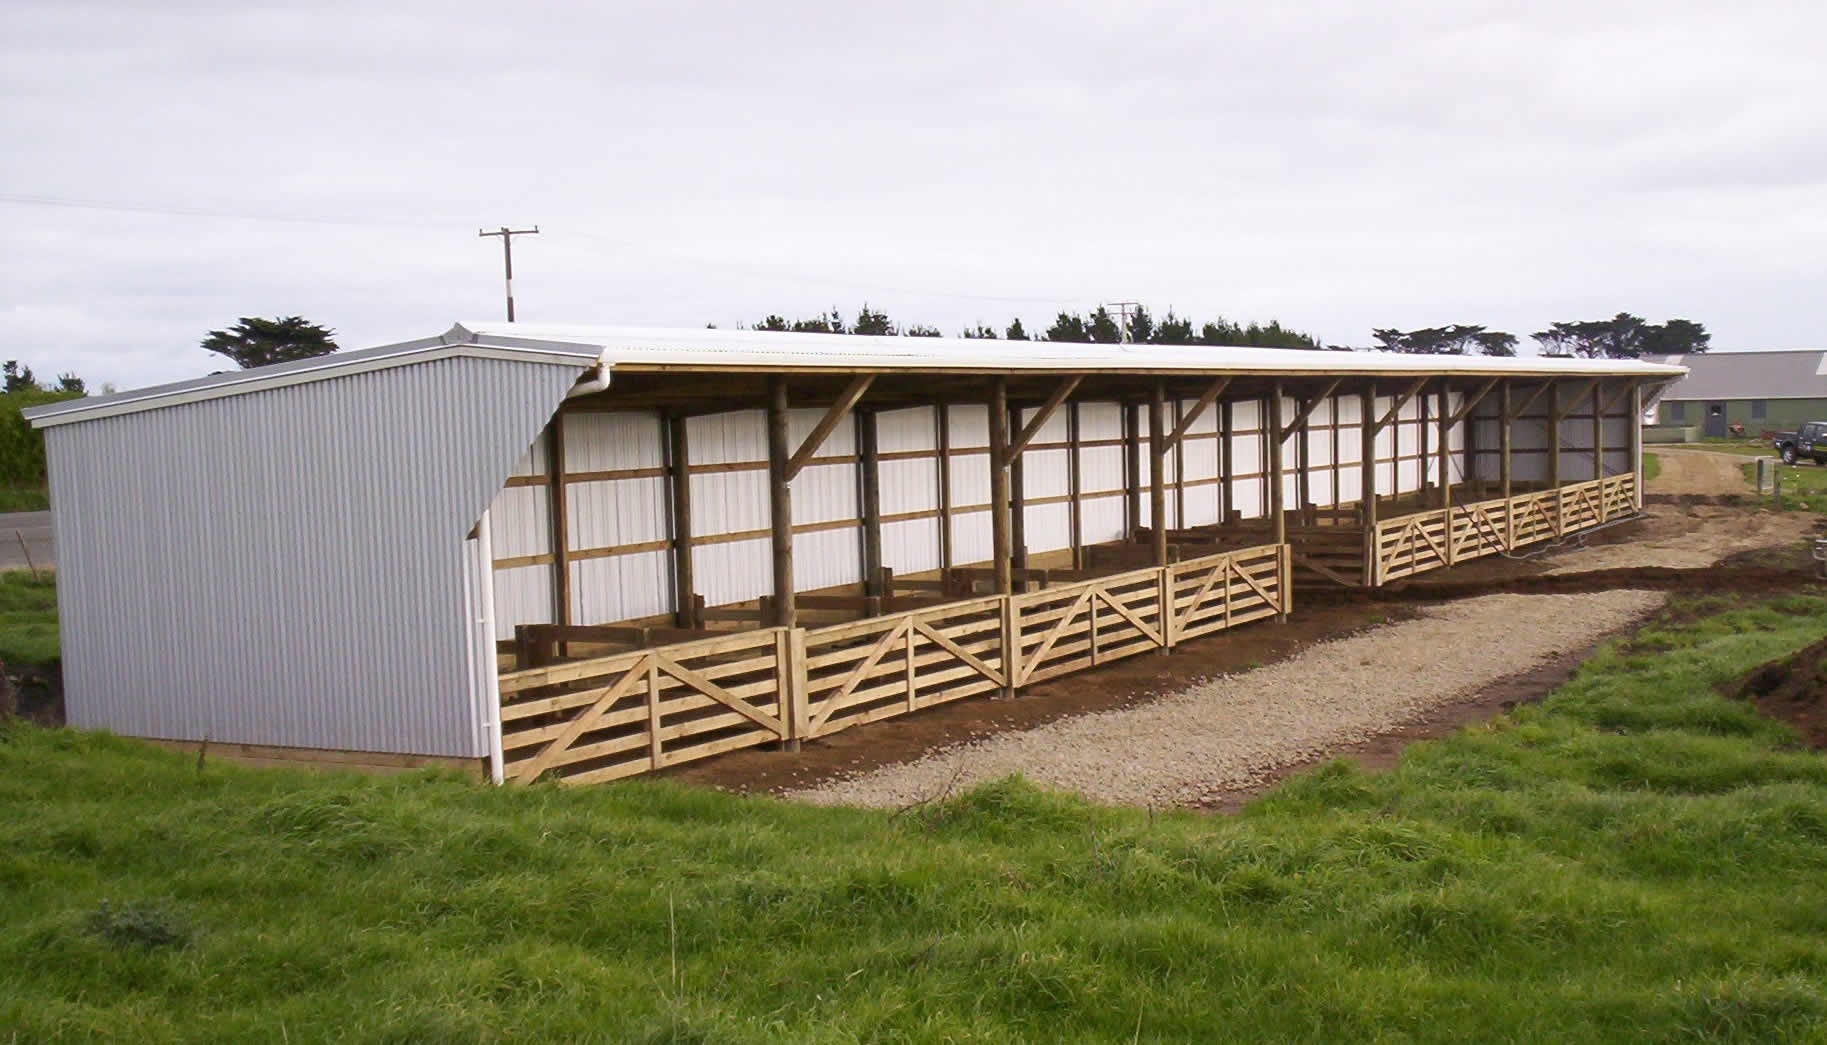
[
  {"x": 689, "y": 348},
  {"x": 770, "y": 349}
]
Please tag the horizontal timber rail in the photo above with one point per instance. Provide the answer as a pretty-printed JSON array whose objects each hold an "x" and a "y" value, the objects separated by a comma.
[
  {"x": 607, "y": 717},
  {"x": 1429, "y": 540}
]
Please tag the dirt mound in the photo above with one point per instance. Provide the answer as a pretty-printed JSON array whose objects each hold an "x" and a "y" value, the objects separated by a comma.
[{"x": 1793, "y": 690}]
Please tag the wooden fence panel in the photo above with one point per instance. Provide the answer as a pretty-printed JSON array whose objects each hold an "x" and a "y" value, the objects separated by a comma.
[
  {"x": 1579, "y": 506},
  {"x": 615, "y": 716},
  {"x": 1073, "y": 627},
  {"x": 1411, "y": 544},
  {"x": 1480, "y": 529},
  {"x": 887, "y": 666},
  {"x": 1222, "y": 591},
  {"x": 1536, "y": 518}
]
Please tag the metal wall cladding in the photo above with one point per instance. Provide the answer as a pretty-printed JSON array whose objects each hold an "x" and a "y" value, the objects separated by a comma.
[{"x": 287, "y": 567}]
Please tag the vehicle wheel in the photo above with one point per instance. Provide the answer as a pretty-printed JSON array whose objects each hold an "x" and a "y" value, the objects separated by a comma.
[{"x": 1788, "y": 455}]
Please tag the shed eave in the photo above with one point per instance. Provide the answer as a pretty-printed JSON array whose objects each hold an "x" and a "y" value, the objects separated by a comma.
[{"x": 281, "y": 375}]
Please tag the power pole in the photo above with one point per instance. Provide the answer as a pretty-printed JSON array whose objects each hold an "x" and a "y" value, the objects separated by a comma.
[
  {"x": 1123, "y": 308},
  {"x": 507, "y": 257}
]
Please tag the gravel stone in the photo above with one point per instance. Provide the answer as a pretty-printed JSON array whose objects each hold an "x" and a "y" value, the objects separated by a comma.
[{"x": 1231, "y": 732}]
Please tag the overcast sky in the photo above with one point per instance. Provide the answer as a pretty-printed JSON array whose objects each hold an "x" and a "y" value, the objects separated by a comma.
[{"x": 1337, "y": 166}]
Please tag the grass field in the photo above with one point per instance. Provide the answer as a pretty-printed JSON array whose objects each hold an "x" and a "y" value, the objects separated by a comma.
[
  {"x": 1637, "y": 858},
  {"x": 28, "y": 618},
  {"x": 28, "y": 497},
  {"x": 1652, "y": 467},
  {"x": 1804, "y": 486}
]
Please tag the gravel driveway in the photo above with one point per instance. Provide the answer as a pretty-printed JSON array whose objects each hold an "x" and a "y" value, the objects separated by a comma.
[{"x": 1230, "y": 733}]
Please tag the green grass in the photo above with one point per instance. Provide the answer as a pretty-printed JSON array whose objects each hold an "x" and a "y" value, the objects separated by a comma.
[
  {"x": 1753, "y": 448},
  {"x": 1636, "y": 859},
  {"x": 24, "y": 497},
  {"x": 28, "y": 618},
  {"x": 1652, "y": 467},
  {"x": 1804, "y": 486}
]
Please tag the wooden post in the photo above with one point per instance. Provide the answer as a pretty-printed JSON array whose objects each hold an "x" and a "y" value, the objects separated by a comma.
[
  {"x": 1504, "y": 421},
  {"x": 942, "y": 434},
  {"x": 870, "y": 474},
  {"x": 560, "y": 505},
  {"x": 1074, "y": 488},
  {"x": 1332, "y": 414},
  {"x": 1446, "y": 468},
  {"x": 1018, "y": 503},
  {"x": 1598, "y": 443},
  {"x": 999, "y": 485},
  {"x": 1303, "y": 463},
  {"x": 1227, "y": 469},
  {"x": 1157, "y": 505},
  {"x": 780, "y": 502},
  {"x": 1157, "y": 462},
  {"x": 999, "y": 526},
  {"x": 1132, "y": 468},
  {"x": 1179, "y": 466},
  {"x": 1636, "y": 445},
  {"x": 1423, "y": 449},
  {"x": 1276, "y": 508},
  {"x": 678, "y": 474},
  {"x": 1367, "y": 469},
  {"x": 1554, "y": 453}
]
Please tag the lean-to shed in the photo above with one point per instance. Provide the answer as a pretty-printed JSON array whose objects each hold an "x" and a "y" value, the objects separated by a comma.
[{"x": 332, "y": 557}]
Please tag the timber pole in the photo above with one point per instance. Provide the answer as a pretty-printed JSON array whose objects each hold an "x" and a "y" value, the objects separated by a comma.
[
  {"x": 780, "y": 503},
  {"x": 1598, "y": 442},
  {"x": 999, "y": 486},
  {"x": 868, "y": 462},
  {"x": 1276, "y": 497},
  {"x": 1446, "y": 467},
  {"x": 1504, "y": 473},
  {"x": 1157, "y": 461},
  {"x": 999, "y": 528},
  {"x": 685, "y": 614},
  {"x": 1367, "y": 468}
]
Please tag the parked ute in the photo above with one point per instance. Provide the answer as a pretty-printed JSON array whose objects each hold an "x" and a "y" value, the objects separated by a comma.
[{"x": 1810, "y": 441}]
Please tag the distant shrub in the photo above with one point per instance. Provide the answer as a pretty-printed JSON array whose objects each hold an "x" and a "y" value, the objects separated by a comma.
[{"x": 21, "y": 448}]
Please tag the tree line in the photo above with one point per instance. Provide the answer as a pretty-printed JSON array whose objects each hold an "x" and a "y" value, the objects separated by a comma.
[
  {"x": 1623, "y": 336},
  {"x": 1101, "y": 326}
]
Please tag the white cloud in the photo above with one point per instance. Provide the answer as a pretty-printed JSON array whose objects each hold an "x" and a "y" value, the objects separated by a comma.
[{"x": 1334, "y": 165}]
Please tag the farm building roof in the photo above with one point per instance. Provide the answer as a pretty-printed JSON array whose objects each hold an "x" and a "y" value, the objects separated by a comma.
[
  {"x": 1749, "y": 375},
  {"x": 708, "y": 350}
]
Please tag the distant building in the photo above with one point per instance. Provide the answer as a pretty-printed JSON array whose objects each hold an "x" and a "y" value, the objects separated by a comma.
[{"x": 1758, "y": 391}]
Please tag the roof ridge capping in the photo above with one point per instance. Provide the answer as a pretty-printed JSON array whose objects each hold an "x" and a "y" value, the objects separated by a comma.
[{"x": 458, "y": 341}]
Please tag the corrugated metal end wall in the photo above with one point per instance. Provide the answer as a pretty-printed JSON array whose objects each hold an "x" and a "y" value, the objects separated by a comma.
[{"x": 287, "y": 567}]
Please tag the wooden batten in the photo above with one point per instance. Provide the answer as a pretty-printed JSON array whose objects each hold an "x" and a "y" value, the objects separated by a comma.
[
  {"x": 1367, "y": 472},
  {"x": 1018, "y": 501}
]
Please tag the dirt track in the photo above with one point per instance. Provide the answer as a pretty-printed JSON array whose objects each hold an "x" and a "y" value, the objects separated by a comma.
[{"x": 1699, "y": 471}]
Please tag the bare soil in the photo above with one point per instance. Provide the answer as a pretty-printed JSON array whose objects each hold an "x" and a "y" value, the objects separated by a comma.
[
  {"x": 1793, "y": 690},
  {"x": 1701, "y": 532}
]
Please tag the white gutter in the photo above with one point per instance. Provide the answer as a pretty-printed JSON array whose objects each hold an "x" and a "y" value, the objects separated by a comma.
[
  {"x": 491, "y": 689},
  {"x": 591, "y": 383}
]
